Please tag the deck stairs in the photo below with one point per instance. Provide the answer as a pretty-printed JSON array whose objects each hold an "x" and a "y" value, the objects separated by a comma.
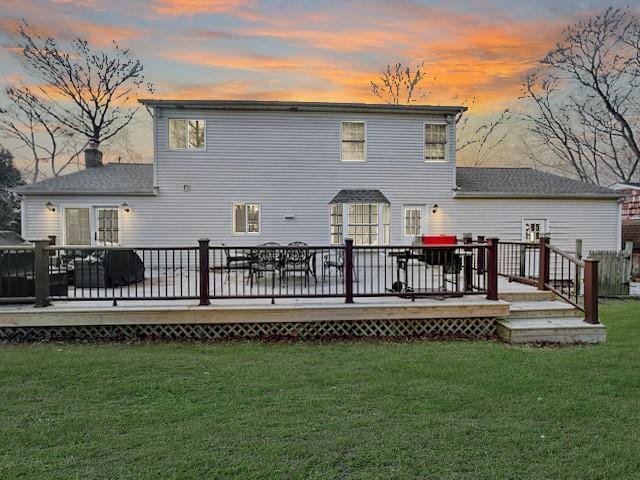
[{"x": 541, "y": 317}]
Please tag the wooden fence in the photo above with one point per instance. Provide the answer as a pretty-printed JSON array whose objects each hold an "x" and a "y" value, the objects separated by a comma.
[{"x": 614, "y": 272}]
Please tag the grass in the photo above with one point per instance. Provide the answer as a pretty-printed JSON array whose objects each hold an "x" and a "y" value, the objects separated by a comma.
[{"x": 441, "y": 410}]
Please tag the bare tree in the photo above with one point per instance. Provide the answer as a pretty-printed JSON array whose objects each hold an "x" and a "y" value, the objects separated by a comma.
[
  {"x": 121, "y": 149},
  {"x": 83, "y": 97},
  {"x": 480, "y": 139},
  {"x": 585, "y": 98},
  {"x": 400, "y": 84},
  {"x": 42, "y": 137}
]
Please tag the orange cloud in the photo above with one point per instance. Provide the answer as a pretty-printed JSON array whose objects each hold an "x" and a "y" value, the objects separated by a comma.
[
  {"x": 240, "y": 62},
  {"x": 97, "y": 34},
  {"x": 193, "y": 7}
]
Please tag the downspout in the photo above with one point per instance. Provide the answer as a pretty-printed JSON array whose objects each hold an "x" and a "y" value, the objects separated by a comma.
[{"x": 23, "y": 217}]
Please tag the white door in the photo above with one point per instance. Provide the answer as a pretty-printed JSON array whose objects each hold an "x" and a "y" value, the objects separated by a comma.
[
  {"x": 414, "y": 222},
  {"x": 107, "y": 226}
]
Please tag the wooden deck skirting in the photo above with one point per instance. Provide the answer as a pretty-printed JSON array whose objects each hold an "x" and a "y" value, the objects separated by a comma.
[{"x": 454, "y": 317}]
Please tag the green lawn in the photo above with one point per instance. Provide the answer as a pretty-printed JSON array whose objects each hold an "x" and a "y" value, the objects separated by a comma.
[{"x": 441, "y": 410}]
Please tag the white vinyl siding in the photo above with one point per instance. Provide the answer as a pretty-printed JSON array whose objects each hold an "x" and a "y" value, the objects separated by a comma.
[
  {"x": 186, "y": 134},
  {"x": 353, "y": 140},
  {"x": 290, "y": 163}
]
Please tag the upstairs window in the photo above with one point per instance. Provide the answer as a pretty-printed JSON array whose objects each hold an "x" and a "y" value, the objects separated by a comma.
[
  {"x": 246, "y": 218},
  {"x": 186, "y": 134},
  {"x": 353, "y": 142},
  {"x": 435, "y": 142}
]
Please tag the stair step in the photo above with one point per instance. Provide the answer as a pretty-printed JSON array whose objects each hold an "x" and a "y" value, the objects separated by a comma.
[
  {"x": 527, "y": 296},
  {"x": 553, "y": 330},
  {"x": 542, "y": 309}
]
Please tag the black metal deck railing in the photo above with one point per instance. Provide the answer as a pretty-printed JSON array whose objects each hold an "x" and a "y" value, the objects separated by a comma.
[
  {"x": 207, "y": 272},
  {"x": 549, "y": 268}
]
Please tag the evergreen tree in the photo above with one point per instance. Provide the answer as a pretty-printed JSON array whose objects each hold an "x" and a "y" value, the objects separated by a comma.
[{"x": 10, "y": 177}]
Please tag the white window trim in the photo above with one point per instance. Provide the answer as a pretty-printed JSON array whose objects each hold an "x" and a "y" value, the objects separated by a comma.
[
  {"x": 524, "y": 220},
  {"x": 233, "y": 220},
  {"x": 92, "y": 223},
  {"x": 186, "y": 149},
  {"x": 365, "y": 141},
  {"x": 424, "y": 141}
]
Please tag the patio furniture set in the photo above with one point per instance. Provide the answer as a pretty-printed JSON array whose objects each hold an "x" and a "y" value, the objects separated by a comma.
[{"x": 273, "y": 258}]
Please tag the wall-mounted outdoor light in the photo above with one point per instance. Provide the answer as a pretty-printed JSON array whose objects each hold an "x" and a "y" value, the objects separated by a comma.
[
  {"x": 434, "y": 209},
  {"x": 125, "y": 207},
  {"x": 51, "y": 207}
]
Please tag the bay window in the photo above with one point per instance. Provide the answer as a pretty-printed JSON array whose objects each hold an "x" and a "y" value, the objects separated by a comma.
[
  {"x": 336, "y": 223},
  {"x": 362, "y": 223}
]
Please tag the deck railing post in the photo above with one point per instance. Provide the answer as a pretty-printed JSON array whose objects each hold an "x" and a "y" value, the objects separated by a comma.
[
  {"x": 591, "y": 291},
  {"x": 492, "y": 269},
  {"x": 348, "y": 270},
  {"x": 203, "y": 253},
  {"x": 467, "y": 239},
  {"x": 41, "y": 273},
  {"x": 543, "y": 267}
]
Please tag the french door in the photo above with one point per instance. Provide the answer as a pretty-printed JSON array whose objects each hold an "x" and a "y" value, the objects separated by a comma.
[
  {"x": 414, "y": 222},
  {"x": 106, "y": 226}
]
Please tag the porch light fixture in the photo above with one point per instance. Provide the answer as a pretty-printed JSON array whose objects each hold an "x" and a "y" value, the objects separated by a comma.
[
  {"x": 125, "y": 207},
  {"x": 51, "y": 207},
  {"x": 434, "y": 209}
]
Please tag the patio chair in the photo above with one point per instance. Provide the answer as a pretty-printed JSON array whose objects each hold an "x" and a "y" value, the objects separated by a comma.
[
  {"x": 336, "y": 261},
  {"x": 297, "y": 260},
  {"x": 235, "y": 261},
  {"x": 264, "y": 260}
]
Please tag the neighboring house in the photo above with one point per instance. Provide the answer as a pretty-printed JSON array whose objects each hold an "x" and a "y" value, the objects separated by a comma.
[
  {"x": 631, "y": 202},
  {"x": 248, "y": 172},
  {"x": 631, "y": 220}
]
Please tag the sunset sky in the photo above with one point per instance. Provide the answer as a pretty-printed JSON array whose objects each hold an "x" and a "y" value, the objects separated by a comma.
[{"x": 311, "y": 50}]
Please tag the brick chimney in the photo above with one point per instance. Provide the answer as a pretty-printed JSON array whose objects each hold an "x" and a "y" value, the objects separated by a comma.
[{"x": 92, "y": 156}]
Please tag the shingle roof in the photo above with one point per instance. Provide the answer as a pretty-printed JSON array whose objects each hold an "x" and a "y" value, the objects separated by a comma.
[
  {"x": 524, "y": 183},
  {"x": 359, "y": 196},
  {"x": 137, "y": 179},
  {"x": 112, "y": 178}
]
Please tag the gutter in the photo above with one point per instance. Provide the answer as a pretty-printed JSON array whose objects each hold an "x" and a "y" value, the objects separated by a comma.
[
  {"x": 86, "y": 194},
  {"x": 302, "y": 106},
  {"x": 558, "y": 196}
]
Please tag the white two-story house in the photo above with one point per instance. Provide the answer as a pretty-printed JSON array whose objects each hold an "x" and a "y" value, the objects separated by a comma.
[{"x": 250, "y": 172}]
